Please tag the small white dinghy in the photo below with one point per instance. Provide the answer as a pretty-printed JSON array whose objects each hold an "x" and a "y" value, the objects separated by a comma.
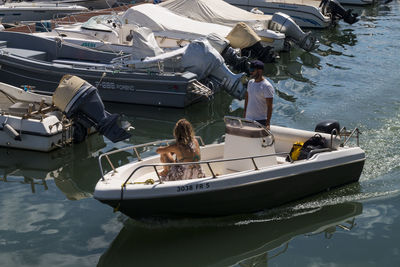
[
  {"x": 251, "y": 171},
  {"x": 30, "y": 121},
  {"x": 41, "y": 122}
]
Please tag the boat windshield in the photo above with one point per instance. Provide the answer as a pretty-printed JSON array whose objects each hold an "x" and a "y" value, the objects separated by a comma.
[{"x": 100, "y": 23}]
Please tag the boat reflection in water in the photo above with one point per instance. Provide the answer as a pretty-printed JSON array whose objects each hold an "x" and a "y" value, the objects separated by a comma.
[
  {"x": 69, "y": 167},
  {"x": 217, "y": 242}
]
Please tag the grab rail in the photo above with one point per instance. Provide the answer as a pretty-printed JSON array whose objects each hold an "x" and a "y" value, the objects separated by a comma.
[
  {"x": 348, "y": 135},
  {"x": 204, "y": 162},
  {"x": 134, "y": 148},
  {"x": 259, "y": 125}
]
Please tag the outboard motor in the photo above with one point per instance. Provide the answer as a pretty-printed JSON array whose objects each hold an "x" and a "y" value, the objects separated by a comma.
[
  {"x": 328, "y": 127},
  {"x": 81, "y": 102},
  {"x": 284, "y": 23},
  {"x": 204, "y": 60},
  {"x": 233, "y": 59},
  {"x": 337, "y": 11},
  {"x": 231, "y": 56},
  {"x": 201, "y": 58},
  {"x": 264, "y": 53},
  {"x": 232, "y": 83}
]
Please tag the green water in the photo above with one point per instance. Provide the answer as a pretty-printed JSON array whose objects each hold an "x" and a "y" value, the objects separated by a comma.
[{"x": 49, "y": 218}]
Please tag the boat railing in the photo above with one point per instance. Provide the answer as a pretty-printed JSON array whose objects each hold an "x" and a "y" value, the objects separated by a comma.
[
  {"x": 135, "y": 150},
  {"x": 350, "y": 134},
  {"x": 206, "y": 162}
]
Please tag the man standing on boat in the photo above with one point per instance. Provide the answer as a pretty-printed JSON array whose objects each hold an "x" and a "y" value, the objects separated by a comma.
[{"x": 259, "y": 96}]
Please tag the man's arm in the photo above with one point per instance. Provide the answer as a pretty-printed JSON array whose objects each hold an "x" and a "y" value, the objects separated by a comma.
[
  {"x": 269, "y": 112},
  {"x": 246, "y": 99}
]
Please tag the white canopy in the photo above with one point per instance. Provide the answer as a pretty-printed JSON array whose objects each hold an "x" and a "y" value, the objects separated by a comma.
[
  {"x": 158, "y": 18},
  {"x": 215, "y": 11}
]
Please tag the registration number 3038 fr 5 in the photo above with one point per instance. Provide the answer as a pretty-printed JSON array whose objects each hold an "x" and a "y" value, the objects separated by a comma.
[{"x": 192, "y": 187}]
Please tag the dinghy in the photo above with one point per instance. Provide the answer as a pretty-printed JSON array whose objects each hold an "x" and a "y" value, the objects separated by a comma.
[
  {"x": 251, "y": 171},
  {"x": 43, "y": 123}
]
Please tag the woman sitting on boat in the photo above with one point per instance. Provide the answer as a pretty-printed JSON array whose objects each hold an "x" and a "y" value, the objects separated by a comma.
[{"x": 186, "y": 149}]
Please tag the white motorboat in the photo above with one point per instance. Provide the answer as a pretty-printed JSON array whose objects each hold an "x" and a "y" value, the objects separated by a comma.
[
  {"x": 220, "y": 12},
  {"x": 306, "y": 13},
  {"x": 28, "y": 121},
  {"x": 41, "y": 122},
  {"x": 27, "y": 11},
  {"x": 251, "y": 171}
]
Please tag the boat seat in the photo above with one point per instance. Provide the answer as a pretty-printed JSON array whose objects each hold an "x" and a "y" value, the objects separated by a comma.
[
  {"x": 247, "y": 141},
  {"x": 20, "y": 108}
]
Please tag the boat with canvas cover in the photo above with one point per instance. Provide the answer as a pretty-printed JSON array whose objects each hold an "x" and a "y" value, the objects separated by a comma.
[
  {"x": 43, "y": 123},
  {"x": 41, "y": 62},
  {"x": 171, "y": 31},
  {"x": 220, "y": 12},
  {"x": 306, "y": 13},
  {"x": 251, "y": 171},
  {"x": 28, "y": 11}
]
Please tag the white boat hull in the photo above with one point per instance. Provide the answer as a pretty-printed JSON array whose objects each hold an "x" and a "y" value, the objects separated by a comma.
[
  {"x": 239, "y": 187},
  {"x": 306, "y": 16},
  {"x": 32, "y": 133}
]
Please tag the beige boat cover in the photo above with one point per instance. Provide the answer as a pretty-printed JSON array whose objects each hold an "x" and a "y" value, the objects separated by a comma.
[
  {"x": 66, "y": 90},
  {"x": 242, "y": 36},
  {"x": 216, "y": 11}
]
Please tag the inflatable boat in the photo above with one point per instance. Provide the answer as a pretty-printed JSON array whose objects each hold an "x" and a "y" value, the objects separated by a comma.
[{"x": 252, "y": 170}]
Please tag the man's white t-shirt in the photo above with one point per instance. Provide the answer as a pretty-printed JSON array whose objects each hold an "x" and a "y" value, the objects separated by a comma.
[{"x": 257, "y": 93}]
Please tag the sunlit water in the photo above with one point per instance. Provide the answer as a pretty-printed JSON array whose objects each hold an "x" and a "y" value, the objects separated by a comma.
[{"x": 49, "y": 218}]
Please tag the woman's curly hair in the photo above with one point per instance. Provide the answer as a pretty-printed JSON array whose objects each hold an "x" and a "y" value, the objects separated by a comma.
[{"x": 183, "y": 132}]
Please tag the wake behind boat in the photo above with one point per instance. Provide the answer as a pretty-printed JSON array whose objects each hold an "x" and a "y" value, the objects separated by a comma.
[{"x": 252, "y": 170}]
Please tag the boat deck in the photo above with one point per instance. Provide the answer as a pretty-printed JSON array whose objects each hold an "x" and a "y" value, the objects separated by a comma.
[{"x": 218, "y": 169}]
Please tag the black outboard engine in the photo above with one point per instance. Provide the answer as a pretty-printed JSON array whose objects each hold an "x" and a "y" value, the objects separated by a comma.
[
  {"x": 234, "y": 60},
  {"x": 264, "y": 53},
  {"x": 328, "y": 127},
  {"x": 231, "y": 56},
  {"x": 81, "y": 102},
  {"x": 337, "y": 11}
]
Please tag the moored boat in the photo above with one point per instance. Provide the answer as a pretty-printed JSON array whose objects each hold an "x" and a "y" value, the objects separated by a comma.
[
  {"x": 41, "y": 62},
  {"x": 251, "y": 171},
  {"x": 42, "y": 122},
  {"x": 27, "y": 11},
  {"x": 306, "y": 13}
]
